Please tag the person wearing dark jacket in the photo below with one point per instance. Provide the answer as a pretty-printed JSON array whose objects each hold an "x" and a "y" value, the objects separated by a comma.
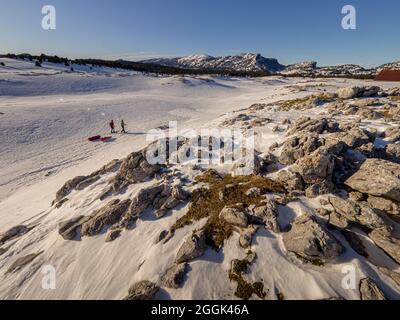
[
  {"x": 123, "y": 124},
  {"x": 112, "y": 126}
]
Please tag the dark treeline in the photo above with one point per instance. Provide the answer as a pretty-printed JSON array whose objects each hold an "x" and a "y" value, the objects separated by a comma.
[{"x": 138, "y": 66}]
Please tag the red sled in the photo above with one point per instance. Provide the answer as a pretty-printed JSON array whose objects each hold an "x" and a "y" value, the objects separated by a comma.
[
  {"x": 105, "y": 139},
  {"x": 94, "y": 138}
]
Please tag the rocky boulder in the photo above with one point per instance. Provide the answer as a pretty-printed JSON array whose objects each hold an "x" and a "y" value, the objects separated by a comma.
[
  {"x": 316, "y": 167},
  {"x": 143, "y": 290},
  {"x": 246, "y": 237},
  {"x": 13, "y": 233},
  {"x": 311, "y": 242},
  {"x": 69, "y": 229},
  {"x": 192, "y": 248},
  {"x": 370, "y": 291},
  {"x": 174, "y": 276},
  {"x": 234, "y": 215},
  {"x": 378, "y": 178},
  {"x": 390, "y": 245},
  {"x": 267, "y": 214},
  {"x": 355, "y": 212},
  {"x": 308, "y": 126},
  {"x": 297, "y": 147},
  {"x": 134, "y": 169},
  {"x": 105, "y": 217}
]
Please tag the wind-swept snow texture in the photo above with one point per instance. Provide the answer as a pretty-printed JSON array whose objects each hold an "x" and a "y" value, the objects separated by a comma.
[{"x": 46, "y": 116}]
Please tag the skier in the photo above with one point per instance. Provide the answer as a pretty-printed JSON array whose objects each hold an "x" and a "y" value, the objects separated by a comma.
[
  {"x": 112, "y": 125},
  {"x": 123, "y": 126}
]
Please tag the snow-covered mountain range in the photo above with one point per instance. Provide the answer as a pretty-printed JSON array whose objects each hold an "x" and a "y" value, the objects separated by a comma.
[
  {"x": 242, "y": 62},
  {"x": 256, "y": 62}
]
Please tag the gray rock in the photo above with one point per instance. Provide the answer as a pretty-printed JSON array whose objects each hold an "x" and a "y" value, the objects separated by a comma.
[
  {"x": 246, "y": 237},
  {"x": 234, "y": 215},
  {"x": 69, "y": 229},
  {"x": 377, "y": 178},
  {"x": 348, "y": 93},
  {"x": 370, "y": 291},
  {"x": 174, "y": 276},
  {"x": 3, "y": 251},
  {"x": 392, "y": 134},
  {"x": 297, "y": 147},
  {"x": 356, "y": 196},
  {"x": 308, "y": 126},
  {"x": 143, "y": 290},
  {"x": 253, "y": 192},
  {"x": 356, "y": 137},
  {"x": 323, "y": 212},
  {"x": 87, "y": 182},
  {"x": 322, "y": 188},
  {"x": 391, "y": 274},
  {"x": 267, "y": 214},
  {"x": 385, "y": 205},
  {"x": 105, "y": 217},
  {"x": 316, "y": 167},
  {"x": 383, "y": 238},
  {"x": 356, "y": 212},
  {"x": 311, "y": 242},
  {"x": 323, "y": 202},
  {"x": 67, "y": 188},
  {"x": 143, "y": 200},
  {"x": 22, "y": 262},
  {"x": 113, "y": 234},
  {"x": 192, "y": 248},
  {"x": 292, "y": 180},
  {"x": 393, "y": 152},
  {"x": 13, "y": 233},
  {"x": 134, "y": 169},
  {"x": 163, "y": 234}
]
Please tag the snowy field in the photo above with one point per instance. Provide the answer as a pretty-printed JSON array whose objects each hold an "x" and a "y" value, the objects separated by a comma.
[{"x": 46, "y": 116}]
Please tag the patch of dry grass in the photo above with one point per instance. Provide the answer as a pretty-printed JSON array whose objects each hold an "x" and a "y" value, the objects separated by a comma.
[
  {"x": 245, "y": 289},
  {"x": 223, "y": 191}
]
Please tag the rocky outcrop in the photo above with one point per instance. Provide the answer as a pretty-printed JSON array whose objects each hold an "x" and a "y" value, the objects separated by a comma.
[
  {"x": 69, "y": 229},
  {"x": 246, "y": 237},
  {"x": 13, "y": 233},
  {"x": 143, "y": 290},
  {"x": 392, "y": 134},
  {"x": 174, "y": 276},
  {"x": 378, "y": 178},
  {"x": 370, "y": 291},
  {"x": 291, "y": 180},
  {"x": 385, "y": 205},
  {"x": 160, "y": 197},
  {"x": 192, "y": 248},
  {"x": 390, "y": 245},
  {"x": 316, "y": 167},
  {"x": 105, "y": 217},
  {"x": 234, "y": 215},
  {"x": 22, "y": 262},
  {"x": 358, "y": 92},
  {"x": 267, "y": 214},
  {"x": 391, "y": 274},
  {"x": 355, "y": 212},
  {"x": 308, "y": 126},
  {"x": 311, "y": 242},
  {"x": 134, "y": 169},
  {"x": 297, "y": 147},
  {"x": 81, "y": 182}
]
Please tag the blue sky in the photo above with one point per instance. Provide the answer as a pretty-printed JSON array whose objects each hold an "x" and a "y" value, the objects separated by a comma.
[{"x": 289, "y": 30}]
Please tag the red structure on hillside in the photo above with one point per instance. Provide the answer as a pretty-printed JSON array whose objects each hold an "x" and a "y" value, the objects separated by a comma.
[{"x": 388, "y": 75}]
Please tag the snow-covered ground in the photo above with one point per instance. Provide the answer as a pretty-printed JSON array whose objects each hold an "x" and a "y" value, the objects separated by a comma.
[{"x": 46, "y": 116}]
